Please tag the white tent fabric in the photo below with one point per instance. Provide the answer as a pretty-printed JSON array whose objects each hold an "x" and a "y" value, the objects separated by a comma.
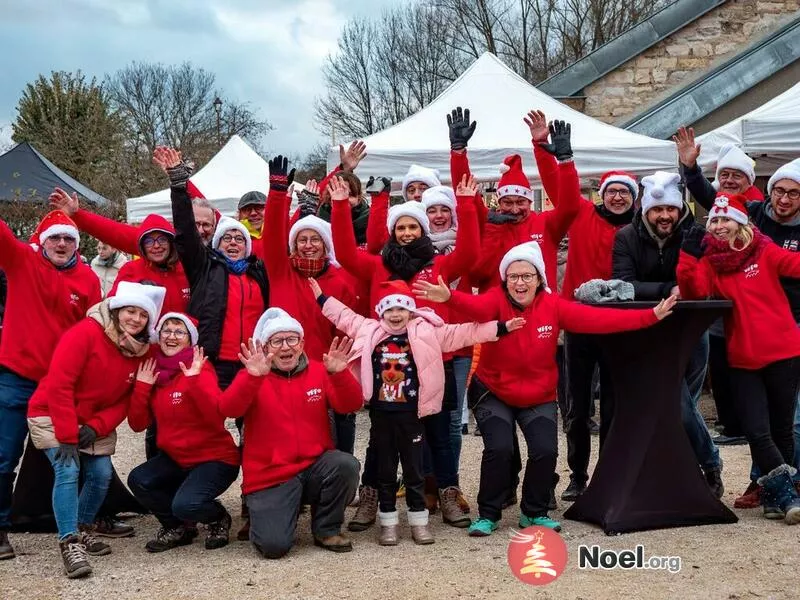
[
  {"x": 498, "y": 100},
  {"x": 233, "y": 171},
  {"x": 770, "y": 134}
]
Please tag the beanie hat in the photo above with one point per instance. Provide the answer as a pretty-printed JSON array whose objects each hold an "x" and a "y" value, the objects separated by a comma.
[
  {"x": 189, "y": 322},
  {"x": 513, "y": 181},
  {"x": 440, "y": 195},
  {"x": 252, "y": 199},
  {"x": 323, "y": 228},
  {"x": 788, "y": 171},
  {"x": 55, "y": 222},
  {"x": 150, "y": 298},
  {"x": 730, "y": 206},
  {"x": 531, "y": 253},
  {"x": 274, "y": 320},
  {"x": 661, "y": 189},
  {"x": 395, "y": 294},
  {"x": 732, "y": 157},
  {"x": 408, "y": 209},
  {"x": 227, "y": 224},
  {"x": 623, "y": 177},
  {"x": 430, "y": 177}
]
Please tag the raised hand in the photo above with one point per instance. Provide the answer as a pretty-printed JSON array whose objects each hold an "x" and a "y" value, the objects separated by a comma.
[
  {"x": 430, "y": 292},
  {"x": 166, "y": 158},
  {"x": 61, "y": 200},
  {"x": 198, "y": 360},
  {"x": 254, "y": 360},
  {"x": 338, "y": 189},
  {"x": 315, "y": 287},
  {"x": 147, "y": 372},
  {"x": 280, "y": 178},
  {"x": 467, "y": 186},
  {"x": 537, "y": 123},
  {"x": 688, "y": 151},
  {"x": 312, "y": 187},
  {"x": 379, "y": 185},
  {"x": 664, "y": 308},
  {"x": 353, "y": 155},
  {"x": 560, "y": 145},
  {"x": 515, "y": 323},
  {"x": 337, "y": 357},
  {"x": 460, "y": 128}
]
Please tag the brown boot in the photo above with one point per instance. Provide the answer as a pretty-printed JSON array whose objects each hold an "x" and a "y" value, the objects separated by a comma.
[
  {"x": 431, "y": 494},
  {"x": 94, "y": 547},
  {"x": 6, "y": 549},
  {"x": 463, "y": 504},
  {"x": 418, "y": 520},
  {"x": 388, "y": 534},
  {"x": 367, "y": 510},
  {"x": 76, "y": 561},
  {"x": 334, "y": 543},
  {"x": 451, "y": 511}
]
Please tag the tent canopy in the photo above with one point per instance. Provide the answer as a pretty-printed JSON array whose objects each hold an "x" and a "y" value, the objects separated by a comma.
[
  {"x": 498, "y": 100},
  {"x": 26, "y": 175}
]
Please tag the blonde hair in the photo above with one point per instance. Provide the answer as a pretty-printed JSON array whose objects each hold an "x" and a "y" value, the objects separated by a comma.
[{"x": 744, "y": 235}]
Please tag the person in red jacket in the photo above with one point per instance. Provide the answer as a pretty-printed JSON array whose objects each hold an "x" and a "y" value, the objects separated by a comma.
[
  {"x": 76, "y": 409},
  {"x": 517, "y": 377},
  {"x": 289, "y": 459},
  {"x": 199, "y": 459},
  {"x": 734, "y": 260},
  {"x": 49, "y": 290}
]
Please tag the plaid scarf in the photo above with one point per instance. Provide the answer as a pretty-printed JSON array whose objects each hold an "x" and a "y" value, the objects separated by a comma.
[{"x": 309, "y": 267}]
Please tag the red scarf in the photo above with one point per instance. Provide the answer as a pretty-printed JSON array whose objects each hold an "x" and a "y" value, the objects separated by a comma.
[
  {"x": 167, "y": 367},
  {"x": 725, "y": 259},
  {"x": 309, "y": 267}
]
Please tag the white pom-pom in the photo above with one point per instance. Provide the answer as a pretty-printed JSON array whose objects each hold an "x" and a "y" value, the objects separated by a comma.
[
  {"x": 504, "y": 168},
  {"x": 657, "y": 192}
]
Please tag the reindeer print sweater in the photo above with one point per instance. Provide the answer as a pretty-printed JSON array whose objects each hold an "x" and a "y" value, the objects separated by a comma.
[{"x": 396, "y": 385}]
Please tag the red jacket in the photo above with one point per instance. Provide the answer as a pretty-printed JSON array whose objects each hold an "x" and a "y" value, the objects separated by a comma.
[
  {"x": 244, "y": 307},
  {"x": 520, "y": 368},
  {"x": 190, "y": 429},
  {"x": 760, "y": 329},
  {"x": 290, "y": 291},
  {"x": 286, "y": 419},
  {"x": 41, "y": 304},
  {"x": 89, "y": 383}
]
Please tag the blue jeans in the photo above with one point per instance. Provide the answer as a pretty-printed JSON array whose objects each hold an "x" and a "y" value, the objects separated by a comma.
[
  {"x": 15, "y": 391},
  {"x": 461, "y": 366},
  {"x": 69, "y": 507},
  {"x": 705, "y": 451}
]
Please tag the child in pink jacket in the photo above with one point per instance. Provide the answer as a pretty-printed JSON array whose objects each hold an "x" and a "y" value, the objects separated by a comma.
[{"x": 398, "y": 360}]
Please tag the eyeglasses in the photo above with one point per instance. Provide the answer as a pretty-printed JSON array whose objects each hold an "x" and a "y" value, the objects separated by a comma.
[
  {"x": 161, "y": 240},
  {"x": 178, "y": 334},
  {"x": 290, "y": 341},
  {"x": 620, "y": 193},
  {"x": 228, "y": 238},
  {"x": 779, "y": 192},
  {"x": 57, "y": 239},
  {"x": 314, "y": 241},
  {"x": 525, "y": 277}
]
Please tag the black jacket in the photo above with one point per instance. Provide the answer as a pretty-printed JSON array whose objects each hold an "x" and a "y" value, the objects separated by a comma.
[
  {"x": 208, "y": 275},
  {"x": 359, "y": 215}
]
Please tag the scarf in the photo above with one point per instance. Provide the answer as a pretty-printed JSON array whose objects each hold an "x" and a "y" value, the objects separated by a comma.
[
  {"x": 309, "y": 267},
  {"x": 254, "y": 233},
  {"x": 614, "y": 218},
  {"x": 403, "y": 262},
  {"x": 724, "y": 259},
  {"x": 128, "y": 345},
  {"x": 67, "y": 265},
  {"x": 236, "y": 266},
  {"x": 444, "y": 241},
  {"x": 168, "y": 367}
]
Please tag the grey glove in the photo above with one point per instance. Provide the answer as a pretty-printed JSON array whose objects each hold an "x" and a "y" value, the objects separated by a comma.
[
  {"x": 309, "y": 203},
  {"x": 560, "y": 145},
  {"x": 67, "y": 453},
  {"x": 498, "y": 218},
  {"x": 599, "y": 291},
  {"x": 379, "y": 185},
  {"x": 179, "y": 175}
]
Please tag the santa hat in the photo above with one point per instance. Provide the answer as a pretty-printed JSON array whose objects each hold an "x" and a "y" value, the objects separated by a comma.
[
  {"x": 732, "y": 157},
  {"x": 55, "y": 222},
  {"x": 430, "y": 177},
  {"x": 531, "y": 253},
  {"x": 661, "y": 189},
  {"x": 150, "y": 298},
  {"x": 731, "y": 207},
  {"x": 408, "y": 209},
  {"x": 273, "y": 321},
  {"x": 227, "y": 224},
  {"x": 788, "y": 171},
  {"x": 189, "y": 322},
  {"x": 440, "y": 195},
  {"x": 627, "y": 179},
  {"x": 323, "y": 228},
  {"x": 394, "y": 294},
  {"x": 513, "y": 181}
]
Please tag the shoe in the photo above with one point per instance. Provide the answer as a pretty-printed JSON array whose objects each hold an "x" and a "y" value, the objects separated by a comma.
[
  {"x": 6, "y": 549},
  {"x": 356, "y": 498},
  {"x": 367, "y": 510},
  {"x": 76, "y": 560},
  {"x": 594, "y": 428},
  {"x": 111, "y": 528},
  {"x": 334, "y": 543},
  {"x": 243, "y": 534},
  {"x": 482, "y": 527},
  {"x": 543, "y": 521},
  {"x": 779, "y": 492},
  {"x": 431, "y": 494},
  {"x": 714, "y": 480},
  {"x": 751, "y": 498},
  {"x": 388, "y": 532},
  {"x": 730, "y": 440},
  {"x": 465, "y": 429},
  {"x": 191, "y": 529},
  {"x": 422, "y": 535},
  {"x": 167, "y": 539},
  {"x": 477, "y": 431},
  {"x": 511, "y": 500},
  {"x": 772, "y": 512},
  {"x": 94, "y": 547},
  {"x": 218, "y": 533},
  {"x": 463, "y": 504},
  {"x": 452, "y": 514},
  {"x": 573, "y": 491}
]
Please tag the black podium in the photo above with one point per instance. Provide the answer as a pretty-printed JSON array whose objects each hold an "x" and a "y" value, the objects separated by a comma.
[{"x": 647, "y": 476}]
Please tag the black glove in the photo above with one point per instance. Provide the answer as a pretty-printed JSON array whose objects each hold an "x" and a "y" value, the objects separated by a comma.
[
  {"x": 86, "y": 436},
  {"x": 179, "y": 175},
  {"x": 309, "y": 203},
  {"x": 498, "y": 218},
  {"x": 559, "y": 146},
  {"x": 460, "y": 128},
  {"x": 67, "y": 453},
  {"x": 280, "y": 178},
  {"x": 379, "y": 185},
  {"x": 692, "y": 242}
]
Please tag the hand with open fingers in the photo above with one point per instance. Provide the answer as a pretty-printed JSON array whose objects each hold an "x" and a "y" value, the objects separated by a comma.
[
  {"x": 312, "y": 187},
  {"x": 337, "y": 357},
  {"x": 664, "y": 308},
  {"x": 61, "y": 200},
  {"x": 425, "y": 290},
  {"x": 67, "y": 453},
  {"x": 166, "y": 157},
  {"x": 315, "y": 287},
  {"x": 537, "y": 123},
  {"x": 560, "y": 144},
  {"x": 379, "y": 185},
  {"x": 338, "y": 189},
  {"x": 461, "y": 129},
  {"x": 354, "y": 154},
  {"x": 467, "y": 186},
  {"x": 688, "y": 150},
  {"x": 254, "y": 360},
  {"x": 280, "y": 177},
  {"x": 86, "y": 436},
  {"x": 515, "y": 323},
  {"x": 147, "y": 372},
  {"x": 198, "y": 360}
]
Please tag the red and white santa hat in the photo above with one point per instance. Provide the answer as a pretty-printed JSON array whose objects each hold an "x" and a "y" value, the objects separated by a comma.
[
  {"x": 429, "y": 177},
  {"x": 732, "y": 157},
  {"x": 275, "y": 320},
  {"x": 627, "y": 179},
  {"x": 323, "y": 228},
  {"x": 513, "y": 181},
  {"x": 55, "y": 222},
  {"x": 730, "y": 206},
  {"x": 531, "y": 253},
  {"x": 440, "y": 195},
  {"x": 395, "y": 294},
  {"x": 412, "y": 209},
  {"x": 227, "y": 224},
  {"x": 189, "y": 322},
  {"x": 150, "y": 298}
]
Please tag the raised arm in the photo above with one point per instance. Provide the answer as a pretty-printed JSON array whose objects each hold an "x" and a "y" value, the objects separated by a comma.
[
  {"x": 467, "y": 251},
  {"x": 579, "y": 318},
  {"x": 688, "y": 152},
  {"x": 453, "y": 337},
  {"x": 276, "y": 222},
  {"x": 546, "y": 163},
  {"x": 377, "y": 234},
  {"x": 461, "y": 130},
  {"x": 13, "y": 252},
  {"x": 359, "y": 264},
  {"x": 561, "y": 217},
  {"x": 344, "y": 319}
]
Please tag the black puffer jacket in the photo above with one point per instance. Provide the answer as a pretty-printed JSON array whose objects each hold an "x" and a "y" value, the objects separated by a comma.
[
  {"x": 208, "y": 275},
  {"x": 639, "y": 259}
]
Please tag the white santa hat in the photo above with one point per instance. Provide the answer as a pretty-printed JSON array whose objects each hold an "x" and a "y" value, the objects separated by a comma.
[
  {"x": 531, "y": 253},
  {"x": 732, "y": 157},
  {"x": 430, "y": 177},
  {"x": 440, "y": 195},
  {"x": 661, "y": 189},
  {"x": 150, "y": 298},
  {"x": 732, "y": 207},
  {"x": 273, "y": 321},
  {"x": 323, "y": 228},
  {"x": 395, "y": 294},
  {"x": 53, "y": 223},
  {"x": 788, "y": 171},
  {"x": 227, "y": 224},
  {"x": 408, "y": 209},
  {"x": 189, "y": 323}
]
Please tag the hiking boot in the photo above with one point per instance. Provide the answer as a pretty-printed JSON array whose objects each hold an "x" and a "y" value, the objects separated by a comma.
[
  {"x": 334, "y": 543},
  {"x": 420, "y": 533},
  {"x": 94, "y": 547},
  {"x": 76, "y": 560},
  {"x": 167, "y": 539},
  {"x": 452, "y": 514},
  {"x": 388, "y": 533},
  {"x": 779, "y": 492},
  {"x": 542, "y": 521},
  {"x": 431, "y": 494},
  {"x": 714, "y": 481},
  {"x": 6, "y": 549},
  {"x": 111, "y": 528},
  {"x": 482, "y": 527},
  {"x": 751, "y": 498},
  {"x": 573, "y": 491},
  {"x": 218, "y": 533},
  {"x": 462, "y": 503},
  {"x": 367, "y": 510}
]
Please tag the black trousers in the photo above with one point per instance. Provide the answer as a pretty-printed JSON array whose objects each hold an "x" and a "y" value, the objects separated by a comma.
[
  {"x": 562, "y": 392},
  {"x": 398, "y": 435},
  {"x": 765, "y": 403},
  {"x": 343, "y": 430},
  {"x": 721, "y": 388}
]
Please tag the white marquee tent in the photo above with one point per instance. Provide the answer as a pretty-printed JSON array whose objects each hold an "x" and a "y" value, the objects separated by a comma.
[{"x": 498, "y": 100}]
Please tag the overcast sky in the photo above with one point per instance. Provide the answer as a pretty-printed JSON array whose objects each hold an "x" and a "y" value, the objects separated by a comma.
[{"x": 266, "y": 52}]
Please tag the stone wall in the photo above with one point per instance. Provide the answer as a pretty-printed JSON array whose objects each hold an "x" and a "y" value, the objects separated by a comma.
[{"x": 683, "y": 56}]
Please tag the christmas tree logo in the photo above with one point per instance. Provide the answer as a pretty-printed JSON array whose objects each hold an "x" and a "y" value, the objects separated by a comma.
[{"x": 537, "y": 555}]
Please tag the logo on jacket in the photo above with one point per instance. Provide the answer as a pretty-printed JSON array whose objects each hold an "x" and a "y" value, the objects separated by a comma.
[
  {"x": 186, "y": 292},
  {"x": 74, "y": 299},
  {"x": 791, "y": 245},
  {"x": 131, "y": 376},
  {"x": 314, "y": 395},
  {"x": 425, "y": 274},
  {"x": 537, "y": 237},
  {"x": 177, "y": 397},
  {"x": 751, "y": 271},
  {"x": 545, "y": 332}
]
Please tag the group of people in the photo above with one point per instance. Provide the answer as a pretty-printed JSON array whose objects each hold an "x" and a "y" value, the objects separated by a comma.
[{"x": 291, "y": 323}]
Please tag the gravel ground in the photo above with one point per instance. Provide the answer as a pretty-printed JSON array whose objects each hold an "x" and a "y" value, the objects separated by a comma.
[{"x": 754, "y": 558}]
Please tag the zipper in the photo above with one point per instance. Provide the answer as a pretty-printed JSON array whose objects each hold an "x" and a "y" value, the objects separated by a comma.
[{"x": 241, "y": 311}]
